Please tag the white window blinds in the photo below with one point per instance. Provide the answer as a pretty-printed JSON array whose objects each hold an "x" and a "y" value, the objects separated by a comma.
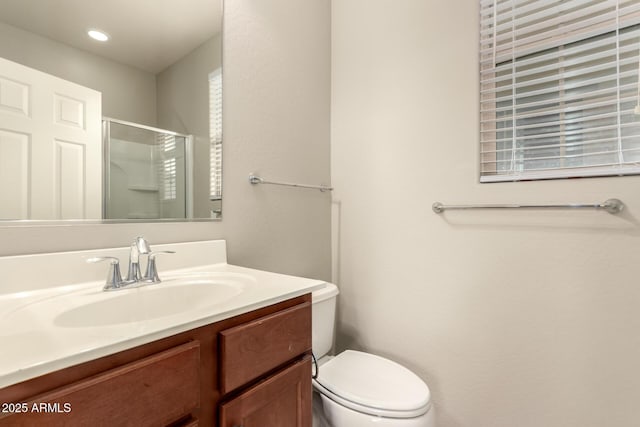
[
  {"x": 215, "y": 134},
  {"x": 166, "y": 143},
  {"x": 559, "y": 93}
]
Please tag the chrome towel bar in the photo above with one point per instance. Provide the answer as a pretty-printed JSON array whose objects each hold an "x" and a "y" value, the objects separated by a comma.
[
  {"x": 613, "y": 206},
  {"x": 254, "y": 179}
]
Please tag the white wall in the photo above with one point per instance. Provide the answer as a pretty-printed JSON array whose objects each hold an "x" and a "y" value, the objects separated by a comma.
[
  {"x": 515, "y": 319},
  {"x": 276, "y": 120},
  {"x": 183, "y": 106},
  {"x": 127, "y": 93}
]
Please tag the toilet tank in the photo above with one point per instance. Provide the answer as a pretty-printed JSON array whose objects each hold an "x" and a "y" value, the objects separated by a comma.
[{"x": 323, "y": 317}]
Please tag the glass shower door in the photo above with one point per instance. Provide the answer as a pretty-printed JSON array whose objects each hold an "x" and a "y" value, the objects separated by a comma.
[{"x": 146, "y": 171}]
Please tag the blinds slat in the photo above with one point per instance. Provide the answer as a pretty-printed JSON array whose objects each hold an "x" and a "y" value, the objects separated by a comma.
[
  {"x": 571, "y": 145},
  {"x": 583, "y": 132},
  {"x": 562, "y": 30},
  {"x": 567, "y": 89},
  {"x": 505, "y": 14},
  {"x": 577, "y": 31},
  {"x": 536, "y": 64},
  {"x": 561, "y": 157},
  {"x": 567, "y": 50},
  {"x": 555, "y": 123},
  {"x": 552, "y": 17},
  {"x": 537, "y": 10},
  {"x": 568, "y": 75},
  {"x": 520, "y": 148},
  {"x": 612, "y": 169},
  {"x": 554, "y": 110}
]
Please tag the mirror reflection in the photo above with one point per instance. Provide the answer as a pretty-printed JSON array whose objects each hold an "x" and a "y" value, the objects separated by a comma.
[{"x": 127, "y": 126}]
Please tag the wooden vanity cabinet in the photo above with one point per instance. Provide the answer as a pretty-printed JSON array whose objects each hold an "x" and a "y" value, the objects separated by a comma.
[{"x": 250, "y": 370}]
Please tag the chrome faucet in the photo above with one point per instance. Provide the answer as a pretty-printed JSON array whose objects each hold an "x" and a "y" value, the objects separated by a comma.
[
  {"x": 134, "y": 276},
  {"x": 114, "y": 278},
  {"x": 151, "y": 275},
  {"x": 139, "y": 247}
]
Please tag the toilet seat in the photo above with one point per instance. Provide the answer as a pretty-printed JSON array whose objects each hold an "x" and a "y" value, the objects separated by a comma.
[{"x": 373, "y": 385}]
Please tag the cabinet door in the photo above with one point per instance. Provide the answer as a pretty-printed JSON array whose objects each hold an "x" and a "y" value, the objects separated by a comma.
[
  {"x": 150, "y": 392},
  {"x": 282, "y": 400}
]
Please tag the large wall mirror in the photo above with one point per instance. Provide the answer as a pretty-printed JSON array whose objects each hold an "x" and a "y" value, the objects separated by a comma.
[{"x": 123, "y": 129}]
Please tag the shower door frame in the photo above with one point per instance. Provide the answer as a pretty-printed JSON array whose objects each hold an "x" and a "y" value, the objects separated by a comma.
[{"x": 106, "y": 176}]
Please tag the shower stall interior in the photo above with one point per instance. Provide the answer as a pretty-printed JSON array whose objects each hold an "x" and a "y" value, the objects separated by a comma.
[{"x": 147, "y": 172}]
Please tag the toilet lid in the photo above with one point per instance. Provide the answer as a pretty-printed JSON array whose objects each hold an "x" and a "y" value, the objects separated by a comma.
[{"x": 374, "y": 382}]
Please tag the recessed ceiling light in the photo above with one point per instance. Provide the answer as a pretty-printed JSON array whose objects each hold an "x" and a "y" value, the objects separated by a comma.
[{"x": 98, "y": 35}]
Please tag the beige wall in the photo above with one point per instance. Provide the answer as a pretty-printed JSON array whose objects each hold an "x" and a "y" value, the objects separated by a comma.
[
  {"x": 127, "y": 93},
  {"x": 183, "y": 106},
  {"x": 515, "y": 319},
  {"x": 276, "y": 121}
]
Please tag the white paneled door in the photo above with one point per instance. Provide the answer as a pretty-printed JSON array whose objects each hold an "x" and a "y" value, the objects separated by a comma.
[{"x": 50, "y": 146}]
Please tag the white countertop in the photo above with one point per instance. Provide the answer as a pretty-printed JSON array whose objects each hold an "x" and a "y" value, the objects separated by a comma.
[{"x": 35, "y": 343}]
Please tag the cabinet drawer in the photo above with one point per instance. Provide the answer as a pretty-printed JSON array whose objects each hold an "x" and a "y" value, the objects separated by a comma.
[
  {"x": 153, "y": 391},
  {"x": 250, "y": 350},
  {"x": 282, "y": 400}
]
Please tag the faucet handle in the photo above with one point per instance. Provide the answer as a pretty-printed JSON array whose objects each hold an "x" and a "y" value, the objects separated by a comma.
[
  {"x": 141, "y": 245},
  {"x": 151, "y": 275},
  {"x": 114, "y": 278}
]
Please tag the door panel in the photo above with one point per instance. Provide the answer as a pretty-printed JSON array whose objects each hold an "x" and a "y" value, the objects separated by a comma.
[
  {"x": 62, "y": 124},
  {"x": 69, "y": 180},
  {"x": 14, "y": 96},
  {"x": 14, "y": 175}
]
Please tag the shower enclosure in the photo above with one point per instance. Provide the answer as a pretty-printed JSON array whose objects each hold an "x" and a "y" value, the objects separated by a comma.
[{"x": 147, "y": 172}]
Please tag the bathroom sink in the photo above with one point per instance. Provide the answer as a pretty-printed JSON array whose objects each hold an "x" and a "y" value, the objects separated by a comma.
[{"x": 150, "y": 302}]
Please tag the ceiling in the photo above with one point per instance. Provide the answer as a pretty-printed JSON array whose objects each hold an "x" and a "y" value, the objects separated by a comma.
[{"x": 146, "y": 34}]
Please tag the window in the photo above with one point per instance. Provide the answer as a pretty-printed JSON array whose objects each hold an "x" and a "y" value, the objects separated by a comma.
[
  {"x": 215, "y": 134},
  {"x": 168, "y": 165},
  {"x": 169, "y": 179},
  {"x": 559, "y": 90}
]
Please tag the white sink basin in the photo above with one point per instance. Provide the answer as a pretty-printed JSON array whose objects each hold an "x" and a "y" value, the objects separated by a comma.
[
  {"x": 91, "y": 307},
  {"x": 168, "y": 298},
  {"x": 149, "y": 302}
]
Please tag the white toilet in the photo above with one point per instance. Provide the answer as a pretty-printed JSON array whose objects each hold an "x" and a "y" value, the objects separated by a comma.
[{"x": 356, "y": 389}]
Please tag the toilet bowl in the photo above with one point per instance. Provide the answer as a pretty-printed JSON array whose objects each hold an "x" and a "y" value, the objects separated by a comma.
[{"x": 357, "y": 389}]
